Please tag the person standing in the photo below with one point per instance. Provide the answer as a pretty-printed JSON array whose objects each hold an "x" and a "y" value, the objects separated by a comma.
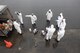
[
  {"x": 63, "y": 24},
  {"x": 49, "y": 15},
  {"x": 60, "y": 18},
  {"x": 33, "y": 21},
  {"x": 19, "y": 15},
  {"x": 61, "y": 15},
  {"x": 58, "y": 23},
  {"x": 17, "y": 27},
  {"x": 50, "y": 31},
  {"x": 61, "y": 33}
]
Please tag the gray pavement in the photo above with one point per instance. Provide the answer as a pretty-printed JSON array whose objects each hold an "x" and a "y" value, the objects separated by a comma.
[{"x": 26, "y": 43}]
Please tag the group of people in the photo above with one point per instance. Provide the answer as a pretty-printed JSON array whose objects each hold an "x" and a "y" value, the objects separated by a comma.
[
  {"x": 61, "y": 24},
  {"x": 50, "y": 30}
]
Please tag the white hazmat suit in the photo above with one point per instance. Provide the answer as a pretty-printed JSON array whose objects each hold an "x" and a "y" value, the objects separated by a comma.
[
  {"x": 33, "y": 18},
  {"x": 63, "y": 24},
  {"x": 49, "y": 14},
  {"x": 61, "y": 14},
  {"x": 60, "y": 34},
  {"x": 50, "y": 32},
  {"x": 59, "y": 21},
  {"x": 17, "y": 27},
  {"x": 19, "y": 14}
]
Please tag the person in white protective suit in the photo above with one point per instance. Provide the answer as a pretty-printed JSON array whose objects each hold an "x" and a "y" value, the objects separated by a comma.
[
  {"x": 49, "y": 15},
  {"x": 19, "y": 15},
  {"x": 60, "y": 18},
  {"x": 50, "y": 32},
  {"x": 61, "y": 15},
  {"x": 17, "y": 27},
  {"x": 33, "y": 21},
  {"x": 63, "y": 24},
  {"x": 33, "y": 18},
  {"x": 61, "y": 31},
  {"x": 58, "y": 23}
]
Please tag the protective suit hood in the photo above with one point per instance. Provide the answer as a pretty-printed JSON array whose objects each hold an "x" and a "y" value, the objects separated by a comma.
[
  {"x": 52, "y": 26},
  {"x": 50, "y": 10}
]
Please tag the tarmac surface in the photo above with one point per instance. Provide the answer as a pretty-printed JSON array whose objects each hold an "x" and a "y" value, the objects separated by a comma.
[{"x": 30, "y": 43}]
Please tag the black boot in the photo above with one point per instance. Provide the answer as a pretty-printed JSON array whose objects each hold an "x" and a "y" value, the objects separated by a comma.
[{"x": 56, "y": 40}]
